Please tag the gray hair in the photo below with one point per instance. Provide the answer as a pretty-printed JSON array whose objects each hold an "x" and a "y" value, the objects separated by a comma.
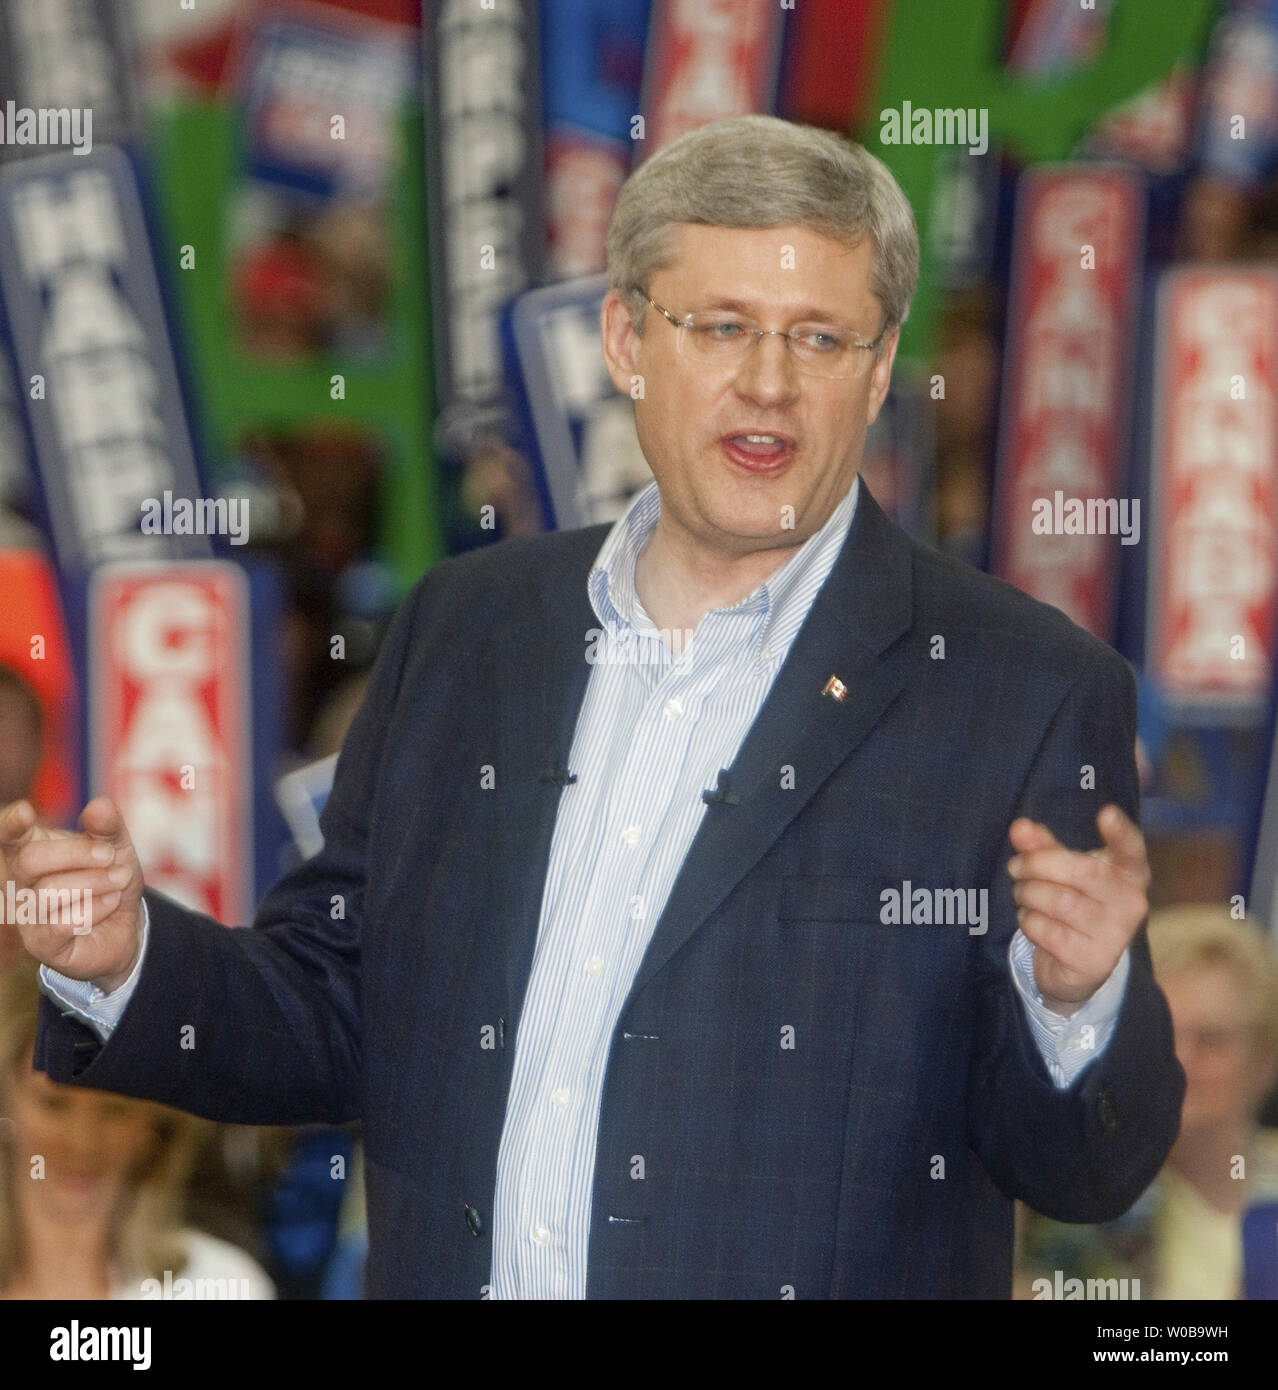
[{"x": 758, "y": 171}]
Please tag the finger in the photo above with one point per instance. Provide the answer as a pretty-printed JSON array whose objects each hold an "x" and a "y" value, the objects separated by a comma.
[
  {"x": 1062, "y": 904},
  {"x": 1026, "y": 835},
  {"x": 58, "y": 909},
  {"x": 39, "y": 858},
  {"x": 1063, "y": 960},
  {"x": 1054, "y": 937},
  {"x": 104, "y": 906},
  {"x": 17, "y": 821},
  {"x": 1085, "y": 872},
  {"x": 1123, "y": 840},
  {"x": 52, "y": 938},
  {"x": 98, "y": 882},
  {"x": 82, "y": 915}
]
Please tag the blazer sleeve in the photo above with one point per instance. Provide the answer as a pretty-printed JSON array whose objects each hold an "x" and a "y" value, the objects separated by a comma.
[
  {"x": 1086, "y": 1153},
  {"x": 261, "y": 1025}
]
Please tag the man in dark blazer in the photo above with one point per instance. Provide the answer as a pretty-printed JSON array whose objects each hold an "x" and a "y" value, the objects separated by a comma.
[{"x": 845, "y": 1031}]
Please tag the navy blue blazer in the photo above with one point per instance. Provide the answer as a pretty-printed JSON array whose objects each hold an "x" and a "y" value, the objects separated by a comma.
[{"x": 878, "y": 1155}]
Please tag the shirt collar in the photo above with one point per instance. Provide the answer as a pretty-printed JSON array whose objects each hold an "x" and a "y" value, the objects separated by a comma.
[{"x": 785, "y": 596}]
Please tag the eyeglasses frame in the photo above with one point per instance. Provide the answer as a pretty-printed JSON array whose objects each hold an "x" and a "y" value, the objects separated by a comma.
[{"x": 758, "y": 333}]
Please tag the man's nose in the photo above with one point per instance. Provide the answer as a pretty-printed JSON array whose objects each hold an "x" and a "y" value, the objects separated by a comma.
[{"x": 769, "y": 372}]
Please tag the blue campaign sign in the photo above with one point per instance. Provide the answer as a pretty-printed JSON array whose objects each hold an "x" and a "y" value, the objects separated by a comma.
[
  {"x": 482, "y": 104},
  {"x": 591, "y": 93},
  {"x": 592, "y": 61},
  {"x": 580, "y": 428},
  {"x": 94, "y": 362},
  {"x": 301, "y": 78}
]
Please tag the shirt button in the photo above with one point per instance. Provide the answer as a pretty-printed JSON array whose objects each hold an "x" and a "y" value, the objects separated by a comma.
[
  {"x": 766, "y": 654},
  {"x": 541, "y": 1235},
  {"x": 631, "y": 834},
  {"x": 672, "y": 709},
  {"x": 594, "y": 966},
  {"x": 561, "y": 1097}
]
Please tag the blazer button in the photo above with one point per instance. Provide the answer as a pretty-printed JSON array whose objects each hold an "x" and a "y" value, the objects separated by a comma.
[
  {"x": 474, "y": 1220},
  {"x": 1106, "y": 1110}
]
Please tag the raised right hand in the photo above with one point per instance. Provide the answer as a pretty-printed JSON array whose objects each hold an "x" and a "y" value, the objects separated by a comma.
[{"x": 100, "y": 945}]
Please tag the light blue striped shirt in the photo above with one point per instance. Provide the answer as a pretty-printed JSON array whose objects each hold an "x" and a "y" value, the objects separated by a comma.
[{"x": 660, "y": 718}]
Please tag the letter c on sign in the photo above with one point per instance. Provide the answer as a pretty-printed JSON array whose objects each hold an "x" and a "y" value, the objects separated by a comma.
[{"x": 166, "y": 633}]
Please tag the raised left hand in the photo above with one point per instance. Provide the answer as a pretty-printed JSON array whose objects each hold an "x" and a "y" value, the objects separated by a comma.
[{"x": 1081, "y": 909}]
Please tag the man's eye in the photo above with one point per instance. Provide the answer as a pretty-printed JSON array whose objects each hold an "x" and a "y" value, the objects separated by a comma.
[
  {"x": 821, "y": 339},
  {"x": 723, "y": 330}
]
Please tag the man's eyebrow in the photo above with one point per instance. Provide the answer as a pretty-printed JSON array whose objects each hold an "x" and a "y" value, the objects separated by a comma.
[{"x": 804, "y": 313}]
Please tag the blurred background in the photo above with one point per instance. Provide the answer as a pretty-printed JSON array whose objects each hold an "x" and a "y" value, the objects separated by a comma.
[{"x": 297, "y": 299}]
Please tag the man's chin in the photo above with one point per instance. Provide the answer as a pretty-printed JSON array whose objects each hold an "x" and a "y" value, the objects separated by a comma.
[{"x": 751, "y": 533}]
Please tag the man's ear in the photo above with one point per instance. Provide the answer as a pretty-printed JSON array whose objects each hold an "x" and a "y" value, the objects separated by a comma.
[
  {"x": 881, "y": 376},
  {"x": 620, "y": 341}
]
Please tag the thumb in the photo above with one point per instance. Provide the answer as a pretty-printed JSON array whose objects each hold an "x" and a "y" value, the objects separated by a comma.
[
  {"x": 102, "y": 819},
  {"x": 1124, "y": 844}
]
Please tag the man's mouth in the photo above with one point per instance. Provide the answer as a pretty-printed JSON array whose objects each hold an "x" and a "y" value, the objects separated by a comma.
[{"x": 761, "y": 451}]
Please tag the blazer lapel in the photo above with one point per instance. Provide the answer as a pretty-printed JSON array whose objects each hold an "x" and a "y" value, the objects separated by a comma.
[{"x": 548, "y": 671}]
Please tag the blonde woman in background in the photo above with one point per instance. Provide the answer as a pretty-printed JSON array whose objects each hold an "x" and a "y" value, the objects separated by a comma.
[
  {"x": 1183, "y": 1238},
  {"x": 1219, "y": 978},
  {"x": 92, "y": 1184}
]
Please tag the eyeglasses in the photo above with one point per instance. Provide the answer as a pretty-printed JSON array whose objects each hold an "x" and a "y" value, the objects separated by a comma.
[{"x": 721, "y": 339}]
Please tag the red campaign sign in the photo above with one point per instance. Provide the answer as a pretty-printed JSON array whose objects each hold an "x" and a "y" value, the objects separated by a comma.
[
  {"x": 1075, "y": 268},
  {"x": 708, "y": 59},
  {"x": 33, "y": 643},
  {"x": 833, "y": 63},
  {"x": 170, "y": 738},
  {"x": 1214, "y": 487}
]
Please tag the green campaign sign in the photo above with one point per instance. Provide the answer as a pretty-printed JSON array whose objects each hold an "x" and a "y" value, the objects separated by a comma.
[
  {"x": 369, "y": 376},
  {"x": 942, "y": 85}
]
